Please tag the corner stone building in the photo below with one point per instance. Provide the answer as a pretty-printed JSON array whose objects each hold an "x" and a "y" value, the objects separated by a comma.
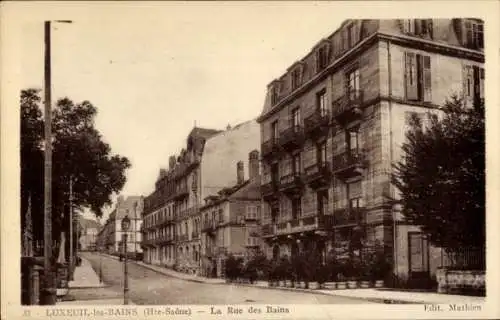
[{"x": 333, "y": 125}]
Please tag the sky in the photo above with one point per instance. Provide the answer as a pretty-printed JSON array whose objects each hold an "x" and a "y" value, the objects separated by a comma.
[
  {"x": 153, "y": 70},
  {"x": 153, "y": 75}
]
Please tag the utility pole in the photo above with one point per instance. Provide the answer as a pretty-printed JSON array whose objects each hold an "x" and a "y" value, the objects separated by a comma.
[
  {"x": 49, "y": 291},
  {"x": 71, "y": 260}
]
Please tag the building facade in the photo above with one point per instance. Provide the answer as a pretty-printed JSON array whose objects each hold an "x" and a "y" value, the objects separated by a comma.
[
  {"x": 111, "y": 236},
  {"x": 231, "y": 220},
  {"x": 197, "y": 172},
  {"x": 333, "y": 125},
  {"x": 89, "y": 230}
]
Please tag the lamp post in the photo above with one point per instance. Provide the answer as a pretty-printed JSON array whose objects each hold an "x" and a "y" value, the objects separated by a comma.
[
  {"x": 48, "y": 294},
  {"x": 125, "y": 227},
  {"x": 100, "y": 253}
]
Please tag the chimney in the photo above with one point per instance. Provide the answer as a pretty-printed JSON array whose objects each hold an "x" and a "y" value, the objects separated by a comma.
[
  {"x": 171, "y": 162},
  {"x": 253, "y": 164},
  {"x": 240, "y": 173}
]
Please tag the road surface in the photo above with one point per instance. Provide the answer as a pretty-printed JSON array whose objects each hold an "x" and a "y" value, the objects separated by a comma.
[{"x": 152, "y": 288}]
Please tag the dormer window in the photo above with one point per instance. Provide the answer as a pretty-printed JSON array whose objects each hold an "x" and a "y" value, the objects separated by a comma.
[
  {"x": 418, "y": 27},
  {"x": 274, "y": 94},
  {"x": 296, "y": 78},
  {"x": 473, "y": 34},
  {"x": 350, "y": 35},
  {"x": 322, "y": 55}
]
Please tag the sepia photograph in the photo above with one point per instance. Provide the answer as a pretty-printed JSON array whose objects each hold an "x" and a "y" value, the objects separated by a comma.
[{"x": 244, "y": 158}]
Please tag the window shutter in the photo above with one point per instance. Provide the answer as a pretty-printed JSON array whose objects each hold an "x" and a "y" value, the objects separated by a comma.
[
  {"x": 469, "y": 35},
  {"x": 481, "y": 84},
  {"x": 468, "y": 85},
  {"x": 428, "y": 25},
  {"x": 344, "y": 40},
  {"x": 403, "y": 24},
  {"x": 480, "y": 36},
  {"x": 356, "y": 29},
  {"x": 411, "y": 76},
  {"x": 418, "y": 26},
  {"x": 427, "y": 78}
]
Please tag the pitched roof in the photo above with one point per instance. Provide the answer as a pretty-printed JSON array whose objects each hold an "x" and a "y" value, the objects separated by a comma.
[
  {"x": 248, "y": 190},
  {"x": 203, "y": 132}
]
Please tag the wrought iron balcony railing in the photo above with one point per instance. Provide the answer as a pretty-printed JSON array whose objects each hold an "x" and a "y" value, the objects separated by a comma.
[
  {"x": 292, "y": 138},
  {"x": 270, "y": 148},
  {"x": 348, "y": 216},
  {"x": 349, "y": 163},
  {"x": 348, "y": 107},
  {"x": 317, "y": 124},
  {"x": 318, "y": 175},
  {"x": 291, "y": 183}
]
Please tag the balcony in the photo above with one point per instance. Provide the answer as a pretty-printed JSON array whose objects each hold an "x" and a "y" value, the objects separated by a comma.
[
  {"x": 251, "y": 242},
  {"x": 318, "y": 175},
  {"x": 195, "y": 235},
  {"x": 148, "y": 242},
  {"x": 166, "y": 221},
  {"x": 208, "y": 227},
  {"x": 292, "y": 138},
  {"x": 348, "y": 107},
  {"x": 181, "y": 192},
  {"x": 182, "y": 237},
  {"x": 291, "y": 184},
  {"x": 305, "y": 224},
  {"x": 268, "y": 230},
  {"x": 165, "y": 240},
  {"x": 348, "y": 216},
  {"x": 270, "y": 148},
  {"x": 317, "y": 124},
  {"x": 349, "y": 164},
  {"x": 268, "y": 190}
]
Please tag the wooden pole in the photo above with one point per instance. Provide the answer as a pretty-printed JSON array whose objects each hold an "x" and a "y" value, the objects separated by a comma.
[{"x": 49, "y": 291}]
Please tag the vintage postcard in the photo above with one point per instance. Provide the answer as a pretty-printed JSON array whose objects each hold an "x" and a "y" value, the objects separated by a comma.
[{"x": 249, "y": 160}]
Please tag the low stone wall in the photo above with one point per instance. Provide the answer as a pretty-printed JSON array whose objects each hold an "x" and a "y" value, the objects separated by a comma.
[{"x": 461, "y": 281}]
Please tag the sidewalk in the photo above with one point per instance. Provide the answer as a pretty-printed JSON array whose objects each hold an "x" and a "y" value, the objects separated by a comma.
[
  {"x": 375, "y": 295},
  {"x": 86, "y": 289}
]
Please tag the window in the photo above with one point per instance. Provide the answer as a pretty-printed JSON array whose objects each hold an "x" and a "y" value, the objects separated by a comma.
[
  {"x": 321, "y": 103},
  {"x": 296, "y": 208},
  {"x": 296, "y": 163},
  {"x": 274, "y": 95},
  {"x": 418, "y": 27},
  {"x": 474, "y": 34},
  {"x": 321, "y": 153},
  {"x": 473, "y": 83},
  {"x": 353, "y": 141},
  {"x": 295, "y": 117},
  {"x": 354, "y": 191},
  {"x": 252, "y": 212},
  {"x": 322, "y": 58},
  {"x": 275, "y": 212},
  {"x": 274, "y": 130},
  {"x": 322, "y": 198},
  {"x": 418, "y": 77},
  {"x": 353, "y": 87},
  {"x": 221, "y": 216},
  {"x": 296, "y": 75}
]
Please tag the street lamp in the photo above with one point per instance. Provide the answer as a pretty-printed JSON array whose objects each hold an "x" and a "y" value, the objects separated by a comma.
[
  {"x": 99, "y": 248},
  {"x": 48, "y": 296},
  {"x": 125, "y": 227}
]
